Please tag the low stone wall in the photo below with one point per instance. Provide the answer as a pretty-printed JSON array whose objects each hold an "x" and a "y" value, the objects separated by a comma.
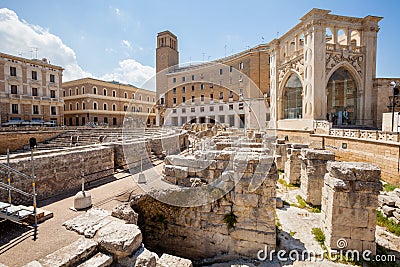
[
  {"x": 349, "y": 203},
  {"x": 295, "y": 136},
  {"x": 58, "y": 172},
  {"x": 130, "y": 154},
  {"x": 14, "y": 140},
  {"x": 384, "y": 154},
  {"x": 171, "y": 144},
  {"x": 200, "y": 232}
]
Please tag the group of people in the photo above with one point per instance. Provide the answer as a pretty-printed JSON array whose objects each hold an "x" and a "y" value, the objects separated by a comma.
[{"x": 334, "y": 116}]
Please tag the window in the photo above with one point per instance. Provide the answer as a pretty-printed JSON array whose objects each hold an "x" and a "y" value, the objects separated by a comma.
[
  {"x": 83, "y": 105},
  {"x": 140, "y": 97},
  {"x": 34, "y": 91},
  {"x": 183, "y": 78},
  {"x": 105, "y": 92},
  {"x": 125, "y": 108},
  {"x": 230, "y": 68},
  {"x": 94, "y": 105},
  {"x": 83, "y": 90},
  {"x": 230, "y": 94},
  {"x": 95, "y": 119},
  {"x": 70, "y": 106},
  {"x": 192, "y": 77},
  {"x": 133, "y": 109},
  {"x": 230, "y": 106},
  {"x": 105, "y": 120},
  {"x": 183, "y": 89},
  {"x": 64, "y": 93},
  {"x": 77, "y": 106},
  {"x": 211, "y": 97},
  {"x": 193, "y": 110},
  {"x": 14, "y": 108},
  {"x": 148, "y": 99},
  {"x": 292, "y": 98},
  {"x": 192, "y": 88},
  {"x": 221, "y": 95},
  {"x": 174, "y": 110},
  {"x": 52, "y": 78},
  {"x": 148, "y": 110},
  {"x": 125, "y": 95},
  {"x": 154, "y": 100},
  {"x": 174, "y": 90},
  {"x": 70, "y": 92},
  {"x": 162, "y": 100},
  {"x": 114, "y": 121},
  {"x": 105, "y": 106},
  {"x": 183, "y": 99},
  {"x": 211, "y": 108},
  {"x": 222, "y": 118},
  {"x": 174, "y": 80},
  {"x": 14, "y": 89},
  {"x": 220, "y": 71},
  {"x": 35, "y": 109},
  {"x": 241, "y": 106},
  {"x": 114, "y": 107},
  {"x": 192, "y": 98},
  {"x": 34, "y": 75},
  {"x": 52, "y": 93},
  {"x": 241, "y": 65},
  {"x": 64, "y": 107},
  {"x": 221, "y": 108},
  {"x": 114, "y": 94},
  {"x": 184, "y": 110},
  {"x": 13, "y": 71},
  {"x": 76, "y": 91},
  {"x": 202, "y": 98},
  {"x": 202, "y": 86},
  {"x": 174, "y": 100},
  {"x": 94, "y": 90},
  {"x": 53, "y": 110},
  {"x": 201, "y": 109}
]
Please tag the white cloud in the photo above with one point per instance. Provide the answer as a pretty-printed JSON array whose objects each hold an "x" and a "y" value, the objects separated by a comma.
[
  {"x": 19, "y": 36},
  {"x": 127, "y": 44},
  {"x": 132, "y": 72},
  {"x": 117, "y": 11}
]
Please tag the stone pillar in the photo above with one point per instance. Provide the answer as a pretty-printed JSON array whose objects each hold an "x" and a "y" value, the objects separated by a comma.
[
  {"x": 281, "y": 153},
  {"x": 293, "y": 164},
  {"x": 313, "y": 169},
  {"x": 349, "y": 202}
]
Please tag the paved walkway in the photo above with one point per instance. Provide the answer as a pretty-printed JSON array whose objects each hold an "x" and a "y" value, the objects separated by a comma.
[{"x": 16, "y": 241}]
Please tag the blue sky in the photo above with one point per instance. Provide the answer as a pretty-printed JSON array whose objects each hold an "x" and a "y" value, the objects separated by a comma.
[{"x": 115, "y": 39}]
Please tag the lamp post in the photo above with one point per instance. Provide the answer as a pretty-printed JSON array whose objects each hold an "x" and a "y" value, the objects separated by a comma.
[{"x": 395, "y": 93}]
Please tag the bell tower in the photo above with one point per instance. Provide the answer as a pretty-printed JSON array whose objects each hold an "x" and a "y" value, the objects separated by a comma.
[{"x": 167, "y": 50}]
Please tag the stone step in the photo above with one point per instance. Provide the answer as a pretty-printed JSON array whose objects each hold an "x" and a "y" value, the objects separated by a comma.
[{"x": 98, "y": 260}]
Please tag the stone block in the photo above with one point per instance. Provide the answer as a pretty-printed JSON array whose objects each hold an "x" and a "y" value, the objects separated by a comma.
[
  {"x": 119, "y": 239},
  {"x": 351, "y": 171},
  {"x": 316, "y": 154},
  {"x": 167, "y": 260},
  {"x": 98, "y": 260},
  {"x": 141, "y": 258},
  {"x": 248, "y": 200},
  {"x": 125, "y": 212},
  {"x": 70, "y": 255}
]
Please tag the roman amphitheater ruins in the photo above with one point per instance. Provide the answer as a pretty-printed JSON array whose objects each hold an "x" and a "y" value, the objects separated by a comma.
[{"x": 266, "y": 180}]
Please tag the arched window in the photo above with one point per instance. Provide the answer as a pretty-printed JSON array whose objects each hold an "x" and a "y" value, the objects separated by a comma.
[
  {"x": 94, "y": 90},
  {"x": 83, "y": 90},
  {"x": 105, "y": 106},
  {"x": 126, "y": 95},
  {"x": 342, "y": 98},
  {"x": 113, "y": 93},
  {"x": 293, "y": 102},
  {"x": 114, "y": 107},
  {"x": 94, "y": 105},
  {"x": 125, "y": 107},
  {"x": 77, "y": 106},
  {"x": 104, "y": 91},
  {"x": 83, "y": 105},
  {"x": 76, "y": 91},
  {"x": 70, "y": 92},
  {"x": 70, "y": 106}
]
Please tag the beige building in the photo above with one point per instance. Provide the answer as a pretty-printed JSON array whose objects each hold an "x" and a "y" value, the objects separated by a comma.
[
  {"x": 324, "y": 68},
  {"x": 30, "y": 91},
  {"x": 90, "y": 100}
]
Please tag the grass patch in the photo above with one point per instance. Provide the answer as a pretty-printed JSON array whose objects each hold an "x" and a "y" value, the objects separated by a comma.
[
  {"x": 285, "y": 184},
  {"x": 301, "y": 201},
  {"x": 319, "y": 236},
  {"x": 230, "y": 219},
  {"x": 389, "y": 187},
  {"x": 388, "y": 224},
  {"x": 303, "y": 205}
]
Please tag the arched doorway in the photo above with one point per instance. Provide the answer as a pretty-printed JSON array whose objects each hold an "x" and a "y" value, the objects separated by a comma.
[
  {"x": 342, "y": 98},
  {"x": 292, "y": 98}
]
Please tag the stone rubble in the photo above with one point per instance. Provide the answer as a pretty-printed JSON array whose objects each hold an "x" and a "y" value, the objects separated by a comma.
[{"x": 389, "y": 205}]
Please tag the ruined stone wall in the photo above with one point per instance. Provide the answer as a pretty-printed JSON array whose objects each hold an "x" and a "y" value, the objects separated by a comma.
[
  {"x": 130, "y": 154},
  {"x": 171, "y": 144},
  {"x": 60, "y": 171},
  {"x": 200, "y": 232},
  {"x": 385, "y": 155},
  {"x": 14, "y": 140}
]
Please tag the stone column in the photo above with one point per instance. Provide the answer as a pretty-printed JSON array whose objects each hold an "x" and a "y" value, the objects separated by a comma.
[
  {"x": 313, "y": 169},
  {"x": 281, "y": 153},
  {"x": 349, "y": 202},
  {"x": 293, "y": 164}
]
